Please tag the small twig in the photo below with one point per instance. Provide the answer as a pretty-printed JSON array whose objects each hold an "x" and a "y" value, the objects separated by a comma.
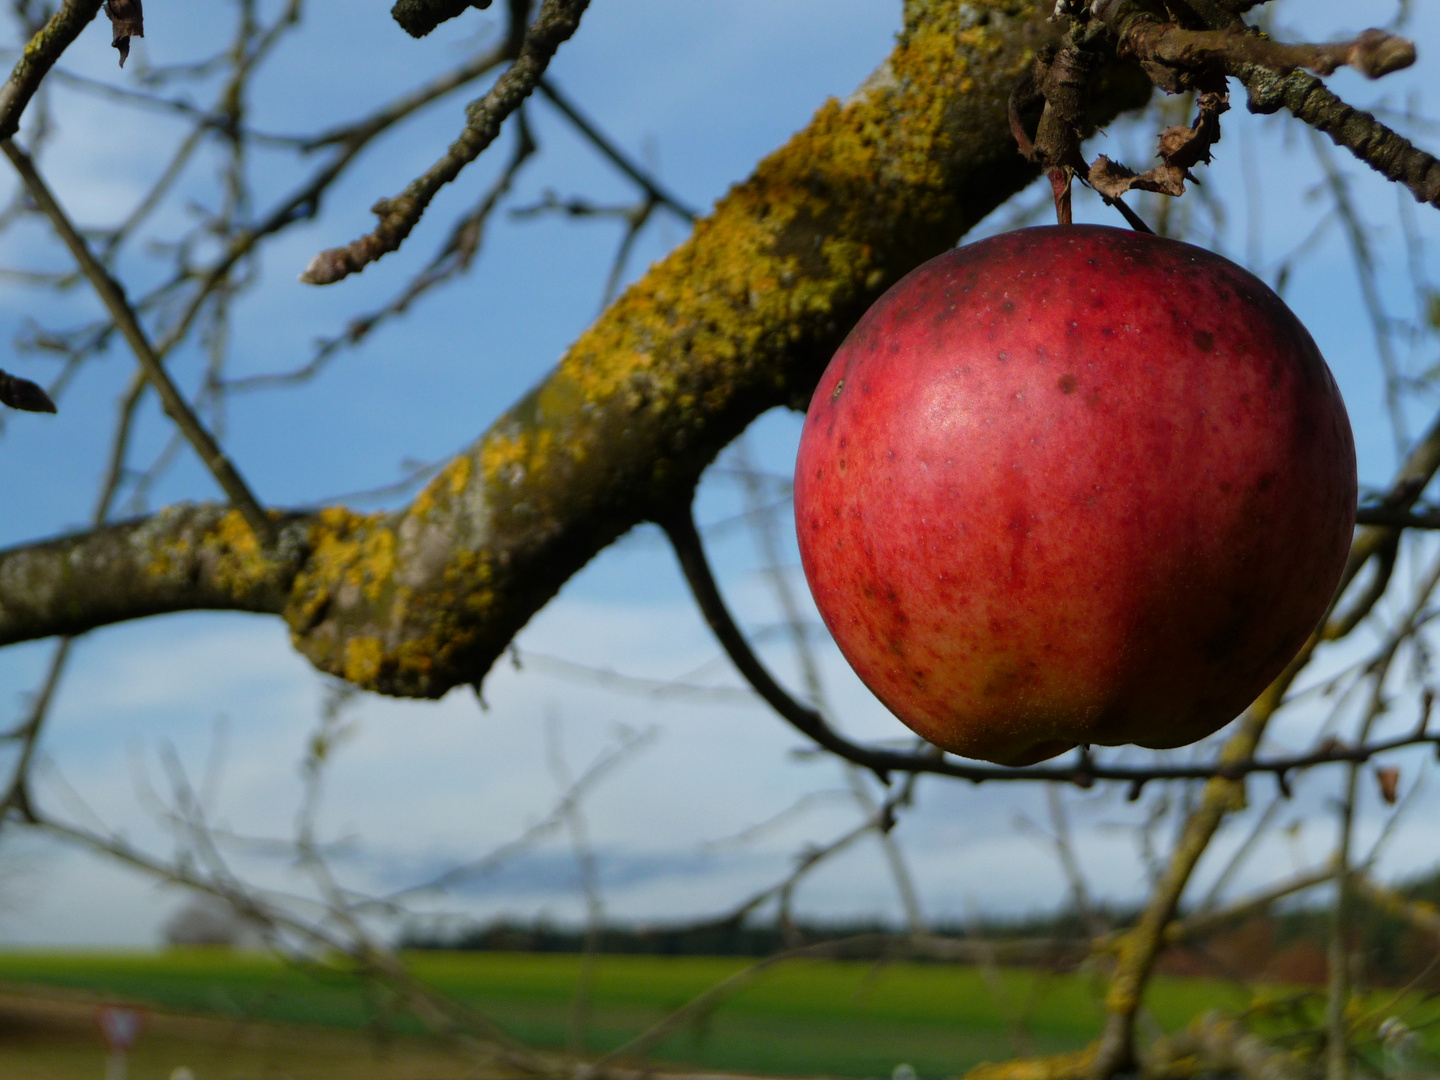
[
  {"x": 17, "y": 794},
  {"x": 1385, "y": 517},
  {"x": 1225, "y": 1044},
  {"x": 765, "y": 526},
  {"x": 651, "y": 186},
  {"x": 1422, "y": 916},
  {"x": 1309, "y": 100},
  {"x": 113, "y": 297},
  {"x": 880, "y": 822},
  {"x": 1065, "y": 852},
  {"x": 706, "y": 1002},
  {"x": 1207, "y": 922},
  {"x": 1379, "y": 541},
  {"x": 1259, "y": 829},
  {"x": 362, "y": 131},
  {"x": 680, "y": 528},
  {"x": 634, "y": 223},
  {"x": 204, "y": 120},
  {"x": 605, "y": 764},
  {"x": 557, "y": 21},
  {"x": 1359, "y": 237},
  {"x": 631, "y": 684},
  {"x": 1375, "y": 53},
  {"x": 38, "y": 57},
  {"x": 581, "y": 1005},
  {"x": 454, "y": 258},
  {"x": 1340, "y": 989},
  {"x": 436, "y": 1010}
]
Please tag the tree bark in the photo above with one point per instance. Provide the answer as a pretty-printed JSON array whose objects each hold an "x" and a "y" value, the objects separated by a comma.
[{"x": 738, "y": 319}]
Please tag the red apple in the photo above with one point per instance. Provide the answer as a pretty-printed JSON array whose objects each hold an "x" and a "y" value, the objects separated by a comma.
[{"x": 1074, "y": 485}]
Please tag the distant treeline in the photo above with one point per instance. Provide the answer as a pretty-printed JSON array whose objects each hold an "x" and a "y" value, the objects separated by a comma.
[
  {"x": 1283, "y": 946},
  {"x": 735, "y": 939},
  {"x": 724, "y": 940}
]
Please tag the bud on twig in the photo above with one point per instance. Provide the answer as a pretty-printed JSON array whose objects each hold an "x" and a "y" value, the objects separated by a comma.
[{"x": 24, "y": 395}]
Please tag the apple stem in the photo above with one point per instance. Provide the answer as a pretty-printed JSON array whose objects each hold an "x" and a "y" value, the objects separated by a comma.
[{"x": 1060, "y": 178}]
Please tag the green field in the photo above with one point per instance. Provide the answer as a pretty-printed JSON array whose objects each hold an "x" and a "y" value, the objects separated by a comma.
[{"x": 843, "y": 1018}]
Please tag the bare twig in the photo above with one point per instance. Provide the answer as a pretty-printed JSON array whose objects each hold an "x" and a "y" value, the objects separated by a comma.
[
  {"x": 554, "y": 821},
  {"x": 1271, "y": 88},
  {"x": 1065, "y": 852},
  {"x": 765, "y": 528},
  {"x": 16, "y": 796},
  {"x": 618, "y": 158},
  {"x": 558, "y": 19},
  {"x": 1375, "y": 53},
  {"x": 1337, "y": 1045},
  {"x": 442, "y": 1014},
  {"x": 454, "y": 258},
  {"x": 578, "y": 1029},
  {"x": 1207, "y": 922},
  {"x": 113, "y": 297},
  {"x": 40, "y": 54},
  {"x": 1085, "y": 771}
]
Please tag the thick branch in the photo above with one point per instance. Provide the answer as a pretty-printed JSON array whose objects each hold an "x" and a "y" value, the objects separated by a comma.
[
  {"x": 738, "y": 319},
  {"x": 185, "y": 558}
]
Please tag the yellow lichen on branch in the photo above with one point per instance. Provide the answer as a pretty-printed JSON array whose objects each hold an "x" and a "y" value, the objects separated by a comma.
[{"x": 738, "y": 319}]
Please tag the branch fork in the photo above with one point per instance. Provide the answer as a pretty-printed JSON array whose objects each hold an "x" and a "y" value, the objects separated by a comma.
[{"x": 1200, "y": 45}]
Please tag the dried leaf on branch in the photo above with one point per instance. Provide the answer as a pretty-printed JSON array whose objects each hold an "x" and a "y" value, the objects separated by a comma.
[
  {"x": 1112, "y": 179},
  {"x": 1181, "y": 148},
  {"x": 1388, "y": 777},
  {"x": 127, "y": 20}
]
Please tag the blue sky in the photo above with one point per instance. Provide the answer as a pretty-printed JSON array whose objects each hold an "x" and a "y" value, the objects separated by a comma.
[{"x": 699, "y": 91}]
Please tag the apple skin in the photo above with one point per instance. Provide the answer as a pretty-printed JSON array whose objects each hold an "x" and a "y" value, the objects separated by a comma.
[{"x": 1074, "y": 484}]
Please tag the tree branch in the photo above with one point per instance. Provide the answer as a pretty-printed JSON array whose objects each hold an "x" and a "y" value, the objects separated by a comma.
[
  {"x": 39, "y": 57},
  {"x": 738, "y": 319},
  {"x": 1387, "y": 152},
  {"x": 1115, "y": 1049},
  {"x": 113, "y": 297},
  {"x": 557, "y": 21},
  {"x": 648, "y": 183},
  {"x": 185, "y": 558},
  {"x": 1272, "y": 85}
]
